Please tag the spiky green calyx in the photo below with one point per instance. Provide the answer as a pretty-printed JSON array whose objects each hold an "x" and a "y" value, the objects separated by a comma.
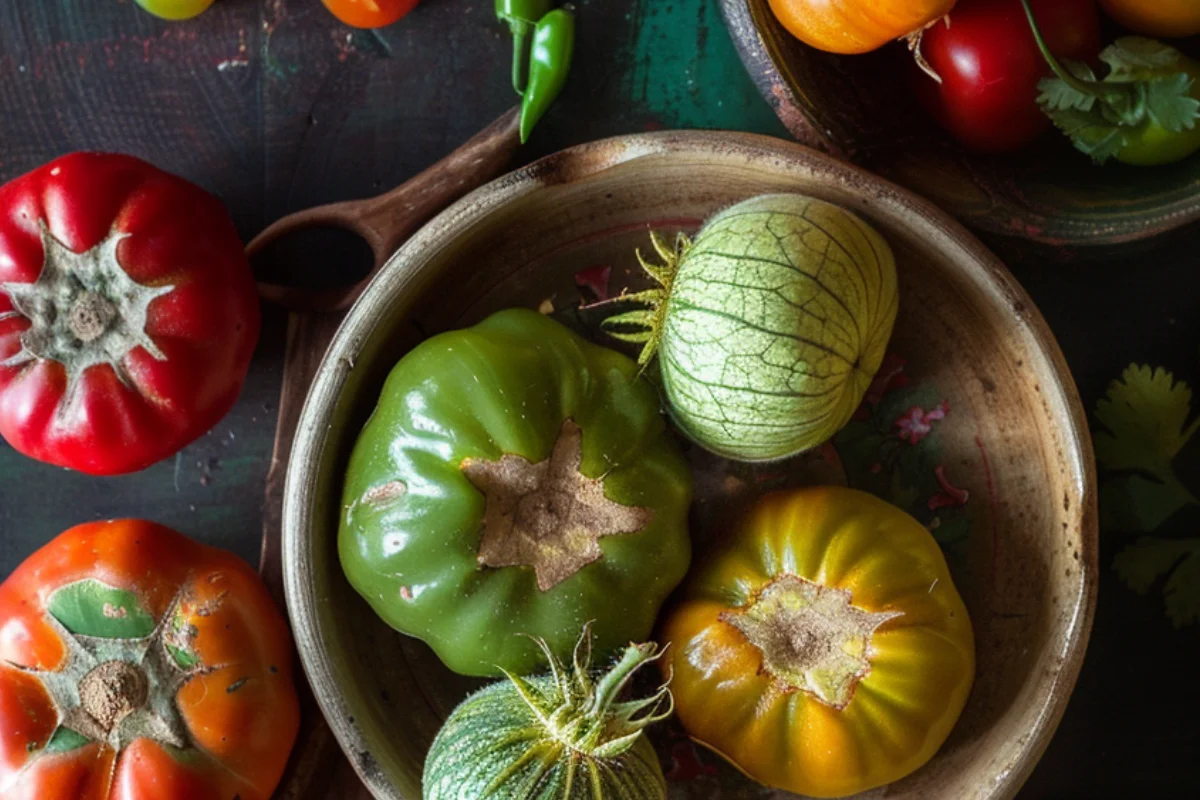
[
  {"x": 647, "y": 323},
  {"x": 583, "y": 714},
  {"x": 565, "y": 735}
]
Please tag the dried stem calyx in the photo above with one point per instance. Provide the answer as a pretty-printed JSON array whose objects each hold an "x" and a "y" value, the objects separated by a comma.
[
  {"x": 811, "y": 637},
  {"x": 84, "y": 310},
  {"x": 548, "y": 515}
]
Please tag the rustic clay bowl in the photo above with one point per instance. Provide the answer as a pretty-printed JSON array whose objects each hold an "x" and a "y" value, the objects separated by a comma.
[
  {"x": 862, "y": 108},
  {"x": 1005, "y": 478}
]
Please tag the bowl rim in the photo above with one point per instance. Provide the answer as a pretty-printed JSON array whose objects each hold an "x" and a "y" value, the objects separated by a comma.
[
  {"x": 769, "y": 76},
  {"x": 927, "y": 221}
]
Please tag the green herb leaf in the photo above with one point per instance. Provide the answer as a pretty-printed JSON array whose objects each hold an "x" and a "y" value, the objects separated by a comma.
[
  {"x": 1058, "y": 95},
  {"x": 1144, "y": 412},
  {"x": 1141, "y": 89},
  {"x": 1090, "y": 132},
  {"x": 1182, "y": 590},
  {"x": 1130, "y": 54},
  {"x": 1143, "y": 563},
  {"x": 1170, "y": 104},
  {"x": 1145, "y": 415},
  {"x": 1136, "y": 504}
]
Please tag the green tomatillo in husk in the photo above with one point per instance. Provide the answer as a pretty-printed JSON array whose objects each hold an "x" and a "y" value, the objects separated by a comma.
[
  {"x": 515, "y": 478},
  {"x": 769, "y": 326},
  {"x": 561, "y": 736}
]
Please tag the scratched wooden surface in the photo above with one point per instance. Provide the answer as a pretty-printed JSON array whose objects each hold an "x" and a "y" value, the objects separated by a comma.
[{"x": 274, "y": 106}]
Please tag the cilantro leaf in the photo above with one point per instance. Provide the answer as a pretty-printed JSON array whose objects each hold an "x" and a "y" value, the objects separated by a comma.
[
  {"x": 1170, "y": 104},
  {"x": 1129, "y": 54},
  {"x": 1142, "y": 563},
  {"x": 1143, "y": 88},
  {"x": 1090, "y": 132},
  {"x": 1145, "y": 420},
  {"x": 1144, "y": 412},
  {"x": 1182, "y": 591},
  {"x": 1058, "y": 95},
  {"x": 1134, "y": 504}
]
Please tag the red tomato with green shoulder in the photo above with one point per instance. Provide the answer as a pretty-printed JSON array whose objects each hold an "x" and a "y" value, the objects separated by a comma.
[
  {"x": 175, "y": 9},
  {"x": 990, "y": 66},
  {"x": 137, "y": 664},
  {"x": 128, "y": 313},
  {"x": 369, "y": 13}
]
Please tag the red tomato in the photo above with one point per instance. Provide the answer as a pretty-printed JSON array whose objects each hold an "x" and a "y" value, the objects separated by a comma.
[
  {"x": 128, "y": 313},
  {"x": 990, "y": 67},
  {"x": 137, "y": 664},
  {"x": 369, "y": 13}
]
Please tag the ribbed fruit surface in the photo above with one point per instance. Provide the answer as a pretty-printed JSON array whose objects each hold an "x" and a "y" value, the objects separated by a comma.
[{"x": 493, "y": 748}]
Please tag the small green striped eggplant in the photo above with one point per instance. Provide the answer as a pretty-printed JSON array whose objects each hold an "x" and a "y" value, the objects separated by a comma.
[
  {"x": 561, "y": 736},
  {"x": 769, "y": 327}
]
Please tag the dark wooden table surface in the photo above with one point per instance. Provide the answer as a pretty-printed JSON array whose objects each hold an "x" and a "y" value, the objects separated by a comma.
[{"x": 274, "y": 106}]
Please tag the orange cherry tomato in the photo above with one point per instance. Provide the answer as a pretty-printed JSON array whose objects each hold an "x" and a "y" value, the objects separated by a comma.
[
  {"x": 369, "y": 13},
  {"x": 823, "y": 649},
  {"x": 136, "y": 664},
  {"x": 856, "y": 26},
  {"x": 1167, "y": 18}
]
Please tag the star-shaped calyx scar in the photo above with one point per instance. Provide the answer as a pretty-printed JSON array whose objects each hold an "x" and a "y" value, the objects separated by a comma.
[
  {"x": 114, "y": 691},
  {"x": 548, "y": 515},
  {"x": 811, "y": 637},
  {"x": 83, "y": 309}
]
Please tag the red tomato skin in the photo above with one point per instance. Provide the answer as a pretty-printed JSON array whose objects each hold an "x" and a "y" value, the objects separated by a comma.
[
  {"x": 207, "y": 326},
  {"x": 369, "y": 13},
  {"x": 990, "y": 67}
]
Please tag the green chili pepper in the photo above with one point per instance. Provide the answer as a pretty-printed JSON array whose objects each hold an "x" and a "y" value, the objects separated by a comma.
[
  {"x": 549, "y": 64},
  {"x": 522, "y": 17}
]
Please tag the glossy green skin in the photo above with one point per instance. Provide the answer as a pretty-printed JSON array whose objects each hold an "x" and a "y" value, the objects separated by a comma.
[
  {"x": 1153, "y": 145},
  {"x": 493, "y": 741},
  {"x": 505, "y": 387},
  {"x": 522, "y": 17},
  {"x": 523, "y": 10},
  {"x": 549, "y": 66}
]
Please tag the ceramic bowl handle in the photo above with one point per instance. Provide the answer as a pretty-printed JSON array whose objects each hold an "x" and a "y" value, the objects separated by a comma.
[{"x": 385, "y": 222}]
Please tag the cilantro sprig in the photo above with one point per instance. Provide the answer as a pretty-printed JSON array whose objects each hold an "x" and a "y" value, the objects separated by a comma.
[
  {"x": 1146, "y": 426},
  {"x": 1145, "y": 85}
]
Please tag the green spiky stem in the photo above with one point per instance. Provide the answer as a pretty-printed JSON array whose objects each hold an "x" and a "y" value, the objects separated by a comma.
[
  {"x": 648, "y": 323},
  {"x": 588, "y": 719}
]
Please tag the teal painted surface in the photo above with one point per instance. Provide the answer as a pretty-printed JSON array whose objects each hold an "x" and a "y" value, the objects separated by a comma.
[{"x": 686, "y": 72}]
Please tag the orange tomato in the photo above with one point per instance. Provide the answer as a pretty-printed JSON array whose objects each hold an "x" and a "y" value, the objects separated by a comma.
[
  {"x": 369, "y": 13},
  {"x": 824, "y": 650},
  {"x": 137, "y": 665},
  {"x": 1168, "y": 18},
  {"x": 856, "y": 26}
]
